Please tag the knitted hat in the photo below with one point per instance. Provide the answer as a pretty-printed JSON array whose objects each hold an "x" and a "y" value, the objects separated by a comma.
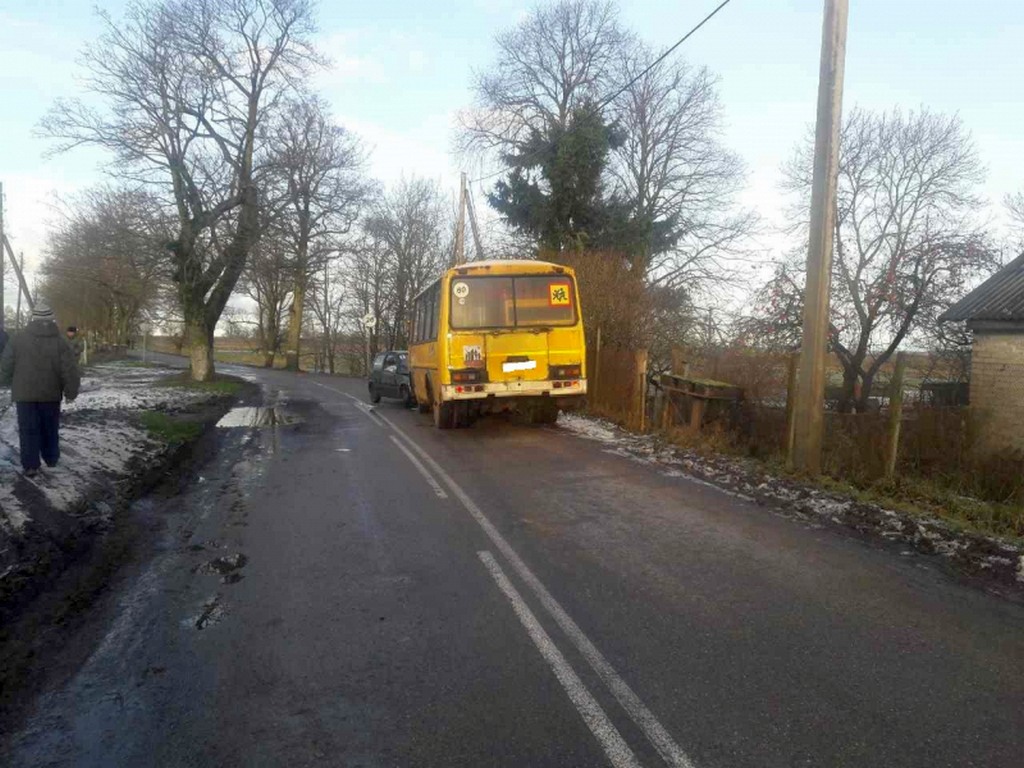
[{"x": 42, "y": 311}]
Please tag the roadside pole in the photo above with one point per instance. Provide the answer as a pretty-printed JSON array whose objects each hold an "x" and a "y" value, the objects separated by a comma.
[
  {"x": 3, "y": 271},
  {"x": 478, "y": 246},
  {"x": 810, "y": 403},
  {"x": 460, "y": 229},
  {"x": 792, "y": 361},
  {"x": 895, "y": 416},
  {"x": 17, "y": 307}
]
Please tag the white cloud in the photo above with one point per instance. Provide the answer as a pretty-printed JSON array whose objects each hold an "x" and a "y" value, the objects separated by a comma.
[
  {"x": 347, "y": 63},
  {"x": 421, "y": 151},
  {"x": 418, "y": 61}
]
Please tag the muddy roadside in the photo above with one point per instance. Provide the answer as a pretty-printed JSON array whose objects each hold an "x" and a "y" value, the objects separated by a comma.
[
  {"x": 65, "y": 536},
  {"x": 986, "y": 562}
]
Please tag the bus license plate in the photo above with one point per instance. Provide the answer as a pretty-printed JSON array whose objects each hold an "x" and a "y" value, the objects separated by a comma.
[{"x": 525, "y": 365}]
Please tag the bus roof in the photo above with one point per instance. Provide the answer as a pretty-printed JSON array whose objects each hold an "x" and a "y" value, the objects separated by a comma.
[
  {"x": 510, "y": 266},
  {"x": 503, "y": 267}
]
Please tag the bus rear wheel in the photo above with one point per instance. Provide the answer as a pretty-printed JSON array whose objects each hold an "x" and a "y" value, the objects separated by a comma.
[
  {"x": 544, "y": 412},
  {"x": 424, "y": 406},
  {"x": 444, "y": 415}
]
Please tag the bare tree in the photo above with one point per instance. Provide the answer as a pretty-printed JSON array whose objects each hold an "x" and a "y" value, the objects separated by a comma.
[
  {"x": 906, "y": 238},
  {"x": 369, "y": 270},
  {"x": 189, "y": 84},
  {"x": 411, "y": 224},
  {"x": 318, "y": 174},
  {"x": 677, "y": 179},
  {"x": 560, "y": 58},
  {"x": 1015, "y": 208},
  {"x": 105, "y": 265},
  {"x": 267, "y": 280}
]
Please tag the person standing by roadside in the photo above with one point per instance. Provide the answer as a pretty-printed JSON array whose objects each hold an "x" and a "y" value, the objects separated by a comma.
[
  {"x": 76, "y": 343},
  {"x": 41, "y": 368}
]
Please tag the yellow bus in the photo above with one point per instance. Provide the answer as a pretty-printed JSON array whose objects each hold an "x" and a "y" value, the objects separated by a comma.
[{"x": 493, "y": 336}]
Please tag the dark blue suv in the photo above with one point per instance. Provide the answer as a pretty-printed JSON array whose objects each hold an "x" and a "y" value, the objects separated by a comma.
[{"x": 389, "y": 377}]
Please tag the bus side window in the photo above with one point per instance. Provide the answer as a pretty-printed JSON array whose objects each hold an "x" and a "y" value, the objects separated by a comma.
[
  {"x": 417, "y": 321},
  {"x": 424, "y": 312},
  {"x": 435, "y": 309}
]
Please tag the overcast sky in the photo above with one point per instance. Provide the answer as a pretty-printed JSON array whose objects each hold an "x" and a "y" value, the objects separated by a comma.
[{"x": 402, "y": 69}]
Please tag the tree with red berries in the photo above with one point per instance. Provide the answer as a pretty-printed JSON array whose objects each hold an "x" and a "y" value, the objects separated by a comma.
[{"x": 907, "y": 240}]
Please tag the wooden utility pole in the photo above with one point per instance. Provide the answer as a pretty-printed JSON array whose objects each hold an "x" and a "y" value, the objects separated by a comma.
[
  {"x": 792, "y": 363},
  {"x": 19, "y": 273},
  {"x": 460, "y": 229},
  {"x": 810, "y": 404},
  {"x": 3, "y": 272},
  {"x": 895, "y": 415},
  {"x": 17, "y": 310},
  {"x": 478, "y": 245},
  {"x": 640, "y": 358}
]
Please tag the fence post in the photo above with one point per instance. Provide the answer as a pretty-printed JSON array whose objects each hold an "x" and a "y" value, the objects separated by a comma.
[
  {"x": 792, "y": 365},
  {"x": 641, "y": 369},
  {"x": 678, "y": 361},
  {"x": 895, "y": 415},
  {"x": 697, "y": 405}
]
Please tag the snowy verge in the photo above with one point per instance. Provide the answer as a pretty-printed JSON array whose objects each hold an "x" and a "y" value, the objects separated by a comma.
[
  {"x": 997, "y": 564},
  {"x": 104, "y": 452}
]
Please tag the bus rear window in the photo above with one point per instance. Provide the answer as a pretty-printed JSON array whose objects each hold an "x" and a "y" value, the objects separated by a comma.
[
  {"x": 544, "y": 300},
  {"x": 483, "y": 302},
  {"x": 509, "y": 302}
]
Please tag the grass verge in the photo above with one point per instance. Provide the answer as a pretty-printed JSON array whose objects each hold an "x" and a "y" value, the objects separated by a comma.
[
  {"x": 926, "y": 498},
  {"x": 170, "y": 429},
  {"x": 915, "y": 496},
  {"x": 220, "y": 385}
]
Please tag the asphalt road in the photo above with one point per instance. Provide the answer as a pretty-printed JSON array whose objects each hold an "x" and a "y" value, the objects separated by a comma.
[{"x": 359, "y": 589}]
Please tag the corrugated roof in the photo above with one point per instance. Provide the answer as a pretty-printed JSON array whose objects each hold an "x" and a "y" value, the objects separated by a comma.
[{"x": 1001, "y": 297}]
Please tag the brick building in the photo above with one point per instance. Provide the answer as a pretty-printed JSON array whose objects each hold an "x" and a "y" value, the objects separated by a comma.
[{"x": 994, "y": 312}]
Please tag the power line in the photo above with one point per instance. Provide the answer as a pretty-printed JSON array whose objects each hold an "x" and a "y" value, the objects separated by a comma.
[{"x": 608, "y": 100}]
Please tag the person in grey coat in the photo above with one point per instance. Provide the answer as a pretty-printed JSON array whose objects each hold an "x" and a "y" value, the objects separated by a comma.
[{"x": 41, "y": 368}]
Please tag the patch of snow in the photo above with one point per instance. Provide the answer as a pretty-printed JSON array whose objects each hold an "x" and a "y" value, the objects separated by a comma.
[{"x": 98, "y": 439}]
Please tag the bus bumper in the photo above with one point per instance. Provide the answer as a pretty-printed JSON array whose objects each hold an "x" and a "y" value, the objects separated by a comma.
[{"x": 575, "y": 387}]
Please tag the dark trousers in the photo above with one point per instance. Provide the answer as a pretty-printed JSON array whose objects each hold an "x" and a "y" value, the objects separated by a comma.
[{"x": 38, "y": 428}]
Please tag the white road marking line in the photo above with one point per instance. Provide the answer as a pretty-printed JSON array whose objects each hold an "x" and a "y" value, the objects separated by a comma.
[
  {"x": 656, "y": 733},
  {"x": 606, "y": 734},
  {"x": 368, "y": 410},
  {"x": 438, "y": 491}
]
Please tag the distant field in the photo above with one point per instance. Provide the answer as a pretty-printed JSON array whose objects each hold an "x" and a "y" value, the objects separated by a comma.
[{"x": 241, "y": 352}]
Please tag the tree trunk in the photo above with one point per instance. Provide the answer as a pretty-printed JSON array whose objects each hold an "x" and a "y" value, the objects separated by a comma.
[
  {"x": 849, "y": 396},
  {"x": 295, "y": 326},
  {"x": 200, "y": 344},
  {"x": 864, "y": 401}
]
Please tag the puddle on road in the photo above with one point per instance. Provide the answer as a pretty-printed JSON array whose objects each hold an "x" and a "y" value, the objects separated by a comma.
[
  {"x": 223, "y": 565},
  {"x": 273, "y": 416},
  {"x": 211, "y": 613}
]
